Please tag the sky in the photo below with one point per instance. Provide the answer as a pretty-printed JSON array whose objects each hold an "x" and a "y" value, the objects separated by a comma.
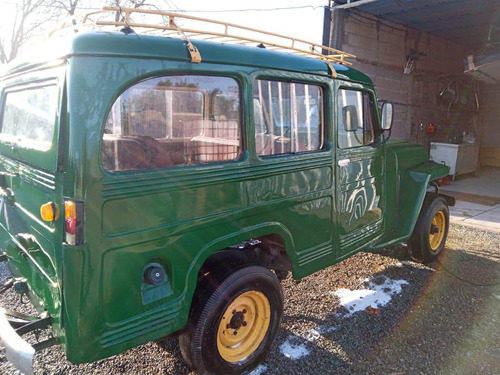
[{"x": 302, "y": 19}]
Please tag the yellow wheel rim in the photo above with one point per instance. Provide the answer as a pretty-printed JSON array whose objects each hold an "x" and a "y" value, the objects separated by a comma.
[
  {"x": 438, "y": 227},
  {"x": 243, "y": 326}
]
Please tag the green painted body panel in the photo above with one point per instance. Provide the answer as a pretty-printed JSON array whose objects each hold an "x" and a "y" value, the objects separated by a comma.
[
  {"x": 29, "y": 179},
  {"x": 409, "y": 172},
  {"x": 177, "y": 217}
]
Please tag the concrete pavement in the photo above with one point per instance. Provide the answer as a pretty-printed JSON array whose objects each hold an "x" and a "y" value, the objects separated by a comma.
[{"x": 478, "y": 199}]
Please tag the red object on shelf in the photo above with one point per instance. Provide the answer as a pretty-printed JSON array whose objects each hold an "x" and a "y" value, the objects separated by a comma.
[
  {"x": 430, "y": 129},
  {"x": 443, "y": 181}
]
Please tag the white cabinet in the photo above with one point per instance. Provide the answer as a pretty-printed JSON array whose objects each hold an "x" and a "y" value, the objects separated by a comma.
[{"x": 461, "y": 159}]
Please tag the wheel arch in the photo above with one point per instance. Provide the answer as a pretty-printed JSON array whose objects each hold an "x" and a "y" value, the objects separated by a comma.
[{"x": 221, "y": 249}]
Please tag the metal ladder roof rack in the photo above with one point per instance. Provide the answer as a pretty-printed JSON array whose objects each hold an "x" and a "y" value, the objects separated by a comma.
[{"x": 202, "y": 28}]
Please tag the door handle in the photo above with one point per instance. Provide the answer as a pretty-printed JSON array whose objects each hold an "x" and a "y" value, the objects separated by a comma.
[{"x": 344, "y": 162}]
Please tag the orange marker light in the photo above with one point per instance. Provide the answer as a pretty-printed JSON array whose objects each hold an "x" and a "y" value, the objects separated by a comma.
[{"x": 49, "y": 211}]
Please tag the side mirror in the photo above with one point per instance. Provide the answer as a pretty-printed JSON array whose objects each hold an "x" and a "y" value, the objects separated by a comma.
[
  {"x": 350, "y": 116},
  {"x": 387, "y": 116}
]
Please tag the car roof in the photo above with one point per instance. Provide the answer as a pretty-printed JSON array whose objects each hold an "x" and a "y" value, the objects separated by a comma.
[{"x": 134, "y": 45}]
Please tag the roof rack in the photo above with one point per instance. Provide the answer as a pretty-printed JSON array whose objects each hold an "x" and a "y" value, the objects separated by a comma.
[{"x": 172, "y": 24}]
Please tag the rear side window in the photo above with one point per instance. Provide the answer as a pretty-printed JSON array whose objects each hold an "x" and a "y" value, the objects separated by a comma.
[
  {"x": 29, "y": 117},
  {"x": 171, "y": 121},
  {"x": 288, "y": 117}
]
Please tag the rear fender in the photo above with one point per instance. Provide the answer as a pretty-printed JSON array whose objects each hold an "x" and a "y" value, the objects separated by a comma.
[{"x": 234, "y": 238}]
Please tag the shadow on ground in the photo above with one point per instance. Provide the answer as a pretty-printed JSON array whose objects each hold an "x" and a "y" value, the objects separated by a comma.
[{"x": 445, "y": 321}]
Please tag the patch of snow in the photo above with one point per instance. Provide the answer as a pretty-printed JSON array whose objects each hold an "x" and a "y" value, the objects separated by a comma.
[
  {"x": 293, "y": 351},
  {"x": 402, "y": 263},
  {"x": 312, "y": 335},
  {"x": 329, "y": 329},
  {"x": 259, "y": 370},
  {"x": 378, "y": 294}
]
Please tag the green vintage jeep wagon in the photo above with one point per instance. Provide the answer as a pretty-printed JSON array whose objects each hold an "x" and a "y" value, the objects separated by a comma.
[{"x": 161, "y": 183}]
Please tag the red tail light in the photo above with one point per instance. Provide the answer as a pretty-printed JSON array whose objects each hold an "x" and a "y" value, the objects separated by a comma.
[{"x": 73, "y": 222}]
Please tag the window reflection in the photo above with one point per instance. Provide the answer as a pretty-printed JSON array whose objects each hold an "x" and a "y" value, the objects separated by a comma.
[
  {"x": 288, "y": 117},
  {"x": 355, "y": 119},
  {"x": 175, "y": 120}
]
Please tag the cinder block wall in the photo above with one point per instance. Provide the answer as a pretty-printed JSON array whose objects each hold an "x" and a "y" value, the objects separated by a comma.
[
  {"x": 382, "y": 49},
  {"x": 490, "y": 140}
]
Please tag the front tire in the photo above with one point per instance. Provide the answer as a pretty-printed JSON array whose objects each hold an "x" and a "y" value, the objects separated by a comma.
[
  {"x": 430, "y": 233},
  {"x": 233, "y": 330}
]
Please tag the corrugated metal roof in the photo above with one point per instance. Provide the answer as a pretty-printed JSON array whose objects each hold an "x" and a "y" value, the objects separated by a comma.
[{"x": 466, "y": 22}]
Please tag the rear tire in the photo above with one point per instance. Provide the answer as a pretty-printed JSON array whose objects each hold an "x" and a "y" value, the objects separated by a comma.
[
  {"x": 233, "y": 329},
  {"x": 430, "y": 233}
]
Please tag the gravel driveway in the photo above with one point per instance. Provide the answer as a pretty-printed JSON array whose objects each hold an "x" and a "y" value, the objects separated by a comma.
[{"x": 421, "y": 319}]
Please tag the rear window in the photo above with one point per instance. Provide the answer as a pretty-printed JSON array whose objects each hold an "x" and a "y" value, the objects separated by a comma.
[
  {"x": 29, "y": 117},
  {"x": 172, "y": 121}
]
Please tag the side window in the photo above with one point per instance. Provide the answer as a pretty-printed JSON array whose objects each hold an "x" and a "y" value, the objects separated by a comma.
[
  {"x": 29, "y": 117},
  {"x": 355, "y": 126},
  {"x": 171, "y": 121},
  {"x": 288, "y": 117}
]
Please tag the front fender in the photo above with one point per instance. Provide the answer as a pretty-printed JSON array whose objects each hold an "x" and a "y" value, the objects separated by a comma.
[{"x": 412, "y": 190}]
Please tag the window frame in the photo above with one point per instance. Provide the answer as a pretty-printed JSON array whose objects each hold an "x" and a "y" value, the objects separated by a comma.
[
  {"x": 371, "y": 112},
  {"x": 208, "y": 100},
  {"x": 28, "y": 143},
  {"x": 321, "y": 107}
]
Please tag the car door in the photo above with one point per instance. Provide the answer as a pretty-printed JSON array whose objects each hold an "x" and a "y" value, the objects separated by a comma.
[
  {"x": 30, "y": 181},
  {"x": 359, "y": 170}
]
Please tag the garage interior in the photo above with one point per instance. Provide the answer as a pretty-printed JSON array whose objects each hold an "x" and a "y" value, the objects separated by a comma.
[{"x": 438, "y": 61}]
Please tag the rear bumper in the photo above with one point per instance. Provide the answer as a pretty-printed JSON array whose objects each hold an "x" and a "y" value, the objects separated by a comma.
[{"x": 19, "y": 352}]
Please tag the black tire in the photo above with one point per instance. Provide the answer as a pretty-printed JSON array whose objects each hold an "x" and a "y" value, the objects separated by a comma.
[
  {"x": 248, "y": 303},
  {"x": 429, "y": 236}
]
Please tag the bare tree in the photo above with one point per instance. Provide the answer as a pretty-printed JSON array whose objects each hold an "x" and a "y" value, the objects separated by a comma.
[
  {"x": 69, "y": 6},
  {"x": 29, "y": 16},
  {"x": 136, "y": 4},
  {"x": 32, "y": 16}
]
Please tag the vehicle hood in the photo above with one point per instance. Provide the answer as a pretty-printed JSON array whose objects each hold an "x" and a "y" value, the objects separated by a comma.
[{"x": 407, "y": 154}]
